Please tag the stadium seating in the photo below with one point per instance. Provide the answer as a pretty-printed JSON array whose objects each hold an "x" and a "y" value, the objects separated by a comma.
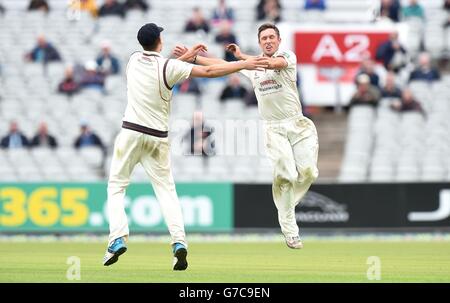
[{"x": 377, "y": 138}]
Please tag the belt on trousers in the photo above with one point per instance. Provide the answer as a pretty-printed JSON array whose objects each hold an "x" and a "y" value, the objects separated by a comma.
[{"x": 145, "y": 130}]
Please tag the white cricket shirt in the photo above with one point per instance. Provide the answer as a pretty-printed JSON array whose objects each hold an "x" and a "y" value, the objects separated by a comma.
[
  {"x": 276, "y": 90},
  {"x": 150, "y": 78}
]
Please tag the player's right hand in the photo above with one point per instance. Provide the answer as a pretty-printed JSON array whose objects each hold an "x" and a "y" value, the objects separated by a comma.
[
  {"x": 234, "y": 48},
  {"x": 257, "y": 63}
]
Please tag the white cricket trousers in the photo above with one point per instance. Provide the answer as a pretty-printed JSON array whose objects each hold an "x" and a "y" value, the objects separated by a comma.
[
  {"x": 292, "y": 145},
  {"x": 130, "y": 148}
]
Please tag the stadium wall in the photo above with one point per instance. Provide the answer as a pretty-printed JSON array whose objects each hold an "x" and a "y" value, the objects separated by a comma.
[{"x": 223, "y": 207}]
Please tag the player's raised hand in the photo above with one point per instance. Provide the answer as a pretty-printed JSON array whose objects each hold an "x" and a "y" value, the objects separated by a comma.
[
  {"x": 189, "y": 54},
  {"x": 234, "y": 48},
  {"x": 258, "y": 63},
  {"x": 179, "y": 51}
]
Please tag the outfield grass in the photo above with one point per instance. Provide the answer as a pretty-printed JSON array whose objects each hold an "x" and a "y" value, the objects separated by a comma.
[{"x": 319, "y": 261}]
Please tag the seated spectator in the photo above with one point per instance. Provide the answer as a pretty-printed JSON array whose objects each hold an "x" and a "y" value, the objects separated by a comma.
[
  {"x": 43, "y": 138},
  {"x": 189, "y": 86},
  {"x": 225, "y": 37},
  {"x": 136, "y": 5},
  {"x": 368, "y": 68},
  {"x": 390, "y": 88},
  {"x": 39, "y": 5},
  {"x": 407, "y": 103},
  {"x": 424, "y": 71},
  {"x": 269, "y": 10},
  {"x": 413, "y": 10},
  {"x": 87, "y": 138},
  {"x": 15, "y": 138},
  {"x": 43, "y": 52},
  {"x": 107, "y": 63},
  {"x": 89, "y": 6},
  {"x": 447, "y": 9},
  {"x": 68, "y": 85},
  {"x": 92, "y": 78},
  {"x": 366, "y": 94},
  {"x": 315, "y": 4},
  {"x": 111, "y": 8},
  {"x": 222, "y": 13},
  {"x": 391, "y": 9},
  {"x": 234, "y": 89},
  {"x": 392, "y": 53},
  {"x": 250, "y": 98},
  {"x": 197, "y": 22},
  {"x": 200, "y": 137}
]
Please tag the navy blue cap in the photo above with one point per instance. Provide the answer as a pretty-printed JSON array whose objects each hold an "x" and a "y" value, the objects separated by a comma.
[{"x": 148, "y": 34}]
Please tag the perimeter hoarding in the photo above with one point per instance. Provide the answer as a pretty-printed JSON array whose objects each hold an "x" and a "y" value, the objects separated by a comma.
[
  {"x": 59, "y": 207},
  {"x": 350, "y": 206}
]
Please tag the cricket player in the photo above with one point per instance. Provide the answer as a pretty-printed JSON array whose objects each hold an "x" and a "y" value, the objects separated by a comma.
[
  {"x": 144, "y": 136},
  {"x": 290, "y": 138}
]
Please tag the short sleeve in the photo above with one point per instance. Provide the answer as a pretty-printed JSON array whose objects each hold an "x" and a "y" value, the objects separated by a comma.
[
  {"x": 289, "y": 56},
  {"x": 176, "y": 71},
  {"x": 245, "y": 73}
]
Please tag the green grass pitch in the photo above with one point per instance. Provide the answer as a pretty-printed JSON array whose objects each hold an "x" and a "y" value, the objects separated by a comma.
[{"x": 319, "y": 261}]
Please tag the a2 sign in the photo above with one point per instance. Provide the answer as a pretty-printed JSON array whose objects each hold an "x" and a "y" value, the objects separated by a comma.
[{"x": 336, "y": 48}]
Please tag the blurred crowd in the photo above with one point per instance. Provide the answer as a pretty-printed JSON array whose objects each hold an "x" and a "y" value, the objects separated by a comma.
[{"x": 371, "y": 84}]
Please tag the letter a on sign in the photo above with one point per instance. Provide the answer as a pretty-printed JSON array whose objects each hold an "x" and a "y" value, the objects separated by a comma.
[{"x": 327, "y": 47}]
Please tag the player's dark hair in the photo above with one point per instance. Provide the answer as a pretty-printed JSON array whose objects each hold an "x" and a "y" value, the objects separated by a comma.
[
  {"x": 267, "y": 26},
  {"x": 151, "y": 47}
]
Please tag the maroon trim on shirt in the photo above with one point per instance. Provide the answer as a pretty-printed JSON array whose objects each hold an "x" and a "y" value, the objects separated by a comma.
[{"x": 164, "y": 75}]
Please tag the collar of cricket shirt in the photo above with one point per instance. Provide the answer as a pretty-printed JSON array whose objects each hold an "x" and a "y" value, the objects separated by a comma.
[{"x": 151, "y": 53}]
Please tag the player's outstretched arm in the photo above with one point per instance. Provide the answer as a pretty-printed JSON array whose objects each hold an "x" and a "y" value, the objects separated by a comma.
[
  {"x": 223, "y": 69},
  {"x": 189, "y": 55},
  {"x": 274, "y": 63}
]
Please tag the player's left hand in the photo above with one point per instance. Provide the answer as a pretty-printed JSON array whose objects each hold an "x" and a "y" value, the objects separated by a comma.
[
  {"x": 179, "y": 51},
  {"x": 183, "y": 53}
]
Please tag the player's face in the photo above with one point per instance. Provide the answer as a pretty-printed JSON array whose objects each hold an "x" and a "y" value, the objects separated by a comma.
[{"x": 269, "y": 41}]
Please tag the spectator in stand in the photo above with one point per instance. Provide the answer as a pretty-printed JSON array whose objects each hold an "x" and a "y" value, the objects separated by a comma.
[
  {"x": 15, "y": 138},
  {"x": 136, "y": 4},
  {"x": 2, "y": 9},
  {"x": 446, "y": 7},
  {"x": 88, "y": 138},
  {"x": 112, "y": 8},
  {"x": 39, "y": 5},
  {"x": 250, "y": 98},
  {"x": 407, "y": 103},
  {"x": 392, "y": 53},
  {"x": 43, "y": 138},
  {"x": 222, "y": 13},
  {"x": 368, "y": 68},
  {"x": 189, "y": 86},
  {"x": 424, "y": 71},
  {"x": 197, "y": 22},
  {"x": 201, "y": 141},
  {"x": 366, "y": 94},
  {"x": 107, "y": 63},
  {"x": 225, "y": 37},
  {"x": 269, "y": 10},
  {"x": 92, "y": 78},
  {"x": 234, "y": 89},
  {"x": 89, "y": 6},
  {"x": 390, "y": 88},
  {"x": 391, "y": 9},
  {"x": 413, "y": 10},
  {"x": 43, "y": 52},
  {"x": 315, "y": 5},
  {"x": 68, "y": 85}
]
